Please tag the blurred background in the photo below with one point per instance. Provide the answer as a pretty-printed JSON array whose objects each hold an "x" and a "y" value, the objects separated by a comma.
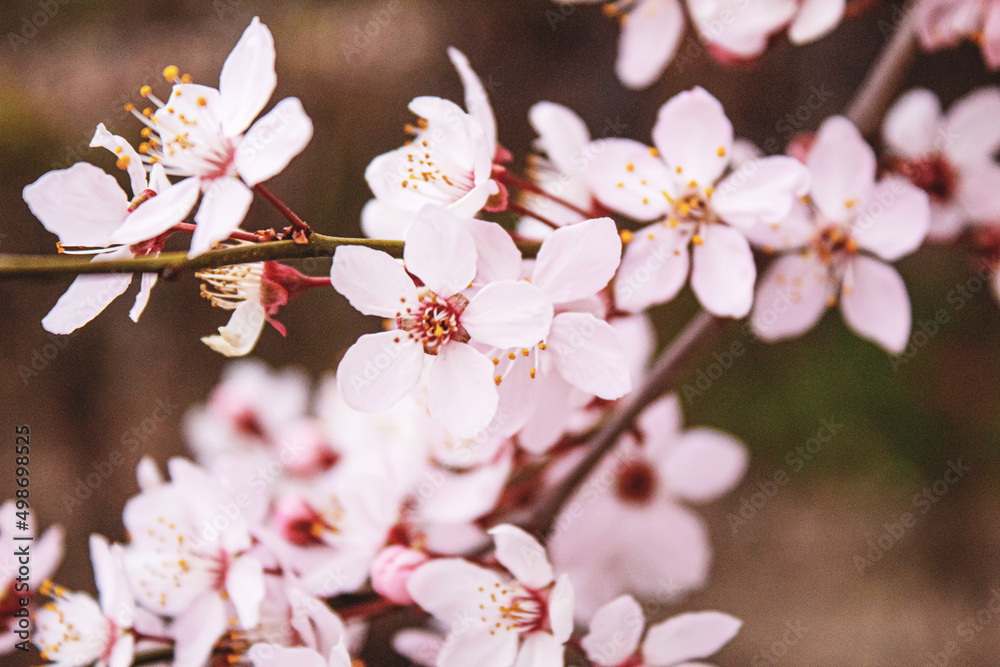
[{"x": 789, "y": 564}]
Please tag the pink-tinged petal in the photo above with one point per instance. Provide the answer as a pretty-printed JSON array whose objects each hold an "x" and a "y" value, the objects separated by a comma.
[
  {"x": 875, "y": 303},
  {"x": 625, "y": 177},
  {"x": 522, "y": 555},
  {"x": 448, "y": 587},
  {"x": 912, "y": 126},
  {"x": 273, "y": 141},
  {"x": 81, "y": 205},
  {"x": 589, "y": 355},
  {"x": 894, "y": 222},
  {"x": 272, "y": 655},
  {"x": 373, "y": 282},
  {"x": 440, "y": 251},
  {"x": 461, "y": 393},
  {"x": 197, "y": 629},
  {"x": 540, "y": 649},
  {"x": 694, "y": 135},
  {"x": 245, "y": 585},
  {"x": 497, "y": 257},
  {"x": 815, "y": 19},
  {"x": 761, "y": 191},
  {"x": 562, "y": 602},
  {"x": 577, "y": 261},
  {"x": 418, "y": 646},
  {"x": 795, "y": 231},
  {"x": 615, "y": 631},
  {"x": 479, "y": 646},
  {"x": 979, "y": 191},
  {"x": 724, "y": 272},
  {"x": 381, "y": 221},
  {"x": 123, "y": 652},
  {"x": 562, "y": 135},
  {"x": 477, "y": 101},
  {"x": 142, "y": 298},
  {"x": 124, "y": 151},
  {"x": 971, "y": 131},
  {"x": 654, "y": 268},
  {"x": 222, "y": 210},
  {"x": 241, "y": 333},
  {"x": 704, "y": 465},
  {"x": 378, "y": 370},
  {"x": 509, "y": 313},
  {"x": 649, "y": 39},
  {"x": 843, "y": 168},
  {"x": 159, "y": 214},
  {"x": 248, "y": 78},
  {"x": 689, "y": 637},
  {"x": 87, "y": 297},
  {"x": 791, "y": 298}
]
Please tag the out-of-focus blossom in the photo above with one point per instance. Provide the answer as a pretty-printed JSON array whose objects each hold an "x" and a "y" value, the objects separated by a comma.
[
  {"x": 682, "y": 184},
  {"x": 828, "y": 246},
  {"x": 943, "y": 24}
]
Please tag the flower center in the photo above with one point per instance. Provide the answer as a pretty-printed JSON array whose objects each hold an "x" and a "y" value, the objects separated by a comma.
[
  {"x": 636, "y": 482},
  {"x": 934, "y": 175},
  {"x": 436, "y": 321}
]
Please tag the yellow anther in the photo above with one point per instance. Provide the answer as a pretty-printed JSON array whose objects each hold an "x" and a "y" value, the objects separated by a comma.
[
  {"x": 170, "y": 73},
  {"x": 696, "y": 239},
  {"x": 146, "y": 91}
]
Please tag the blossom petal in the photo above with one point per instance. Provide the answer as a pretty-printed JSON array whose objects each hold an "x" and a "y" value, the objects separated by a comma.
[
  {"x": 87, "y": 297},
  {"x": 440, "y": 251},
  {"x": 724, "y": 272},
  {"x": 461, "y": 393},
  {"x": 378, "y": 370},
  {"x": 704, "y": 465},
  {"x": 842, "y": 166},
  {"x": 477, "y": 101},
  {"x": 615, "y": 631},
  {"x": 815, "y": 19},
  {"x": 82, "y": 205},
  {"x": 689, "y": 637},
  {"x": 649, "y": 39},
  {"x": 273, "y": 141},
  {"x": 654, "y": 268},
  {"x": 222, "y": 210},
  {"x": 694, "y": 136},
  {"x": 248, "y": 78},
  {"x": 577, "y": 261},
  {"x": 522, "y": 555},
  {"x": 373, "y": 282},
  {"x": 791, "y": 298},
  {"x": 509, "y": 313},
  {"x": 589, "y": 355},
  {"x": 912, "y": 126},
  {"x": 970, "y": 128},
  {"x": 762, "y": 190},
  {"x": 159, "y": 214},
  {"x": 447, "y": 587},
  {"x": 895, "y": 220},
  {"x": 625, "y": 177},
  {"x": 540, "y": 649},
  {"x": 875, "y": 303},
  {"x": 562, "y": 135}
]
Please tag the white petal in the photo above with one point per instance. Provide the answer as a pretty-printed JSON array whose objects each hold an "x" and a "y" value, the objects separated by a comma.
[
  {"x": 912, "y": 126},
  {"x": 842, "y": 166},
  {"x": 222, "y": 210},
  {"x": 477, "y": 101},
  {"x": 159, "y": 214},
  {"x": 704, "y": 465},
  {"x": 724, "y": 272},
  {"x": 540, "y": 649},
  {"x": 197, "y": 630},
  {"x": 615, "y": 631},
  {"x": 142, "y": 298},
  {"x": 589, "y": 355},
  {"x": 692, "y": 133},
  {"x": 241, "y": 333},
  {"x": 123, "y": 149},
  {"x": 522, "y": 555},
  {"x": 381, "y": 221},
  {"x": 626, "y": 178},
  {"x": 649, "y": 39},
  {"x": 761, "y": 191},
  {"x": 447, "y": 587},
  {"x": 461, "y": 393},
  {"x": 82, "y": 205},
  {"x": 653, "y": 270},
  {"x": 689, "y": 637},
  {"x": 577, "y": 261},
  {"x": 245, "y": 585},
  {"x": 273, "y": 141},
  {"x": 87, "y": 297},
  {"x": 562, "y": 135},
  {"x": 791, "y": 298},
  {"x": 815, "y": 19},
  {"x": 895, "y": 220},
  {"x": 373, "y": 282},
  {"x": 971, "y": 132},
  {"x": 497, "y": 256},
  {"x": 440, "y": 251},
  {"x": 247, "y": 78},
  {"x": 509, "y": 313},
  {"x": 875, "y": 303},
  {"x": 377, "y": 371}
]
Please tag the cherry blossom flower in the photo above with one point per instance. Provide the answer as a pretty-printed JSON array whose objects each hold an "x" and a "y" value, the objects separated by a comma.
[
  {"x": 944, "y": 23},
  {"x": 626, "y": 530},
  {"x": 187, "y": 560},
  {"x": 523, "y": 615},
  {"x": 437, "y": 320},
  {"x": 73, "y": 629},
  {"x": 827, "y": 249},
  {"x": 448, "y": 162},
  {"x": 201, "y": 133},
  {"x": 680, "y": 184},
  {"x": 950, "y": 156},
  {"x": 618, "y": 626}
]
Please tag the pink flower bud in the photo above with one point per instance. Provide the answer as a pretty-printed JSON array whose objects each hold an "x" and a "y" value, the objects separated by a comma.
[{"x": 392, "y": 568}]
